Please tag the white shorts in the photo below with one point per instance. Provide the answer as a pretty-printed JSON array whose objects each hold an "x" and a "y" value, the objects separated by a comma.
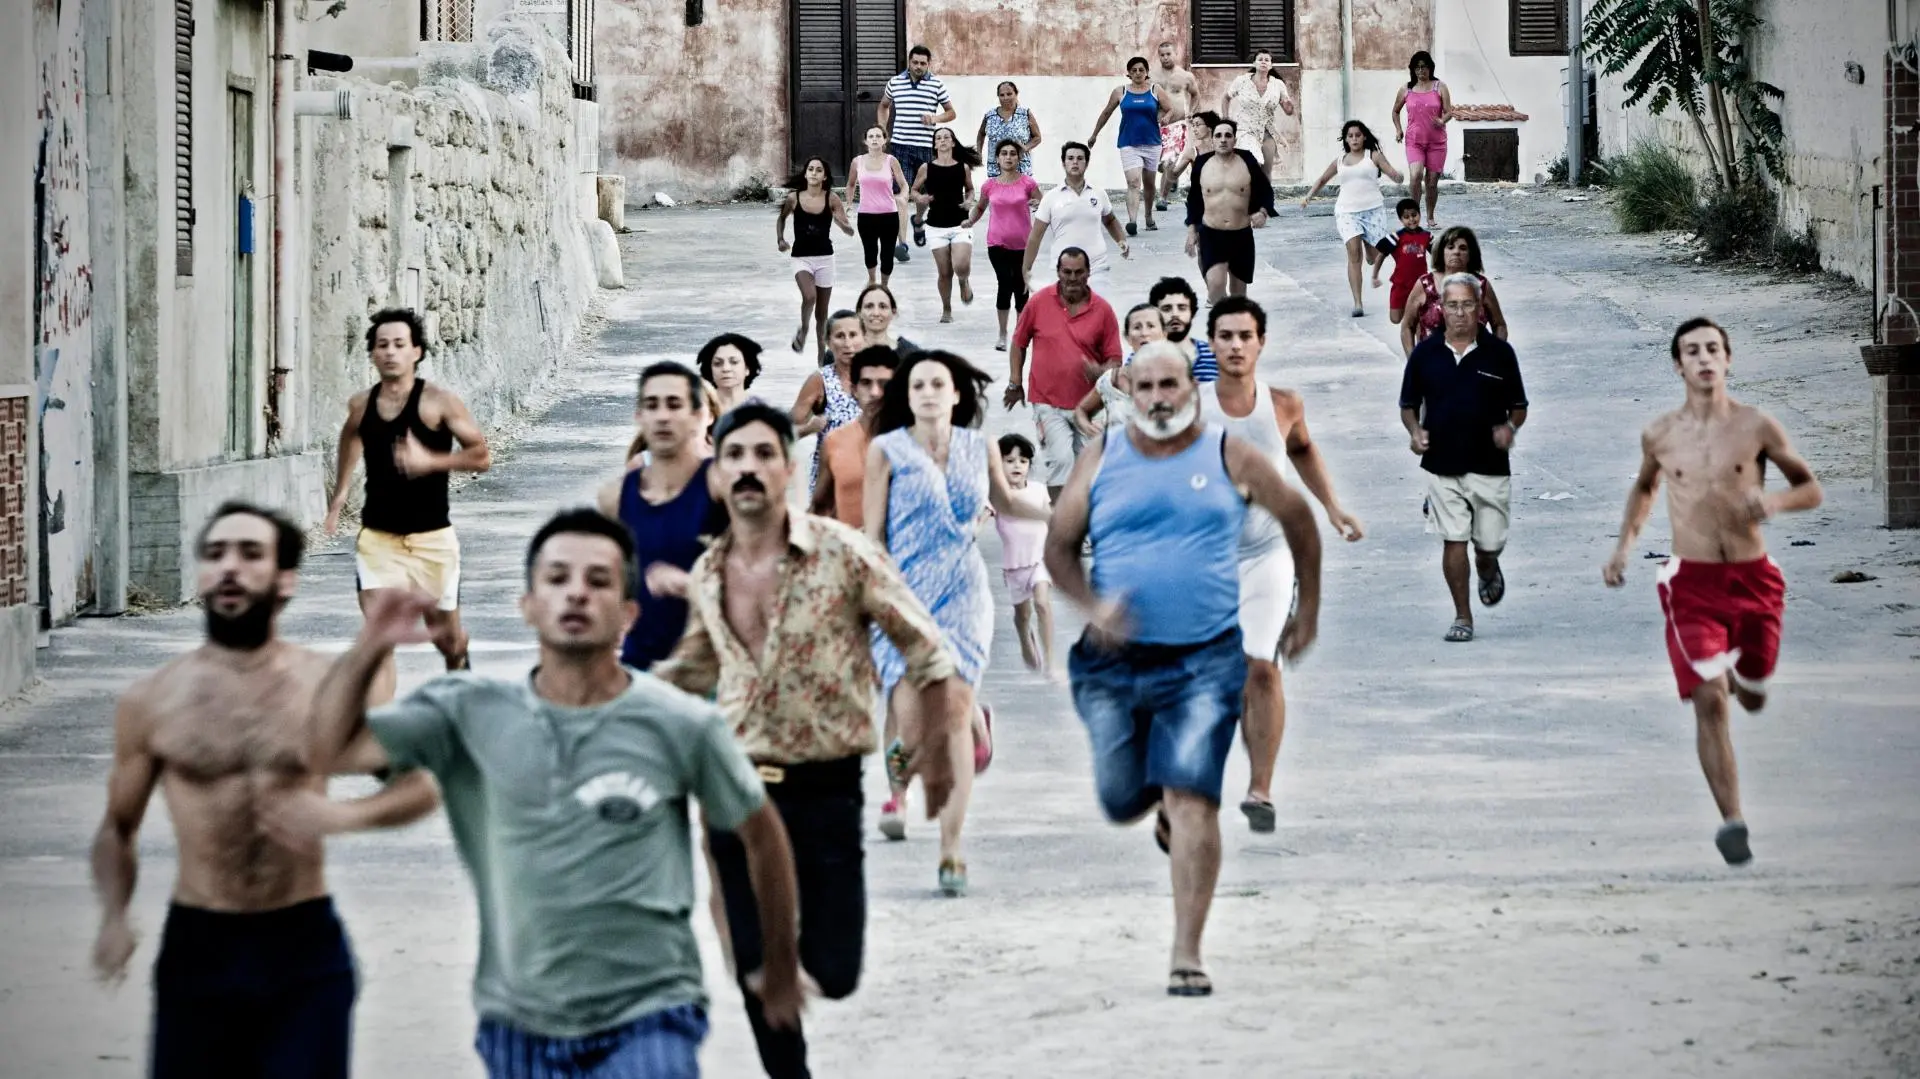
[
  {"x": 1060, "y": 443},
  {"x": 1376, "y": 225},
  {"x": 1266, "y": 601},
  {"x": 1022, "y": 582},
  {"x": 820, "y": 266},
  {"x": 1140, "y": 157},
  {"x": 938, "y": 238},
  {"x": 1471, "y": 507}
]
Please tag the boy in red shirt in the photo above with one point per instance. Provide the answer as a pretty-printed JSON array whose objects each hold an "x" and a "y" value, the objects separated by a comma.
[{"x": 1409, "y": 257}]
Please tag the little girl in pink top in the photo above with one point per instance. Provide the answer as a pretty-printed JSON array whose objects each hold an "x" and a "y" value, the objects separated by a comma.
[{"x": 1021, "y": 544}]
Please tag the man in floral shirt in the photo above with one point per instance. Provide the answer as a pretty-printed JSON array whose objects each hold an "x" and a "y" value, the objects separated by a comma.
[{"x": 779, "y": 620}]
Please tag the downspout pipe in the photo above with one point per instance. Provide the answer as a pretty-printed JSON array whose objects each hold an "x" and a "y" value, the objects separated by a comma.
[
  {"x": 1346, "y": 60},
  {"x": 282, "y": 287}
]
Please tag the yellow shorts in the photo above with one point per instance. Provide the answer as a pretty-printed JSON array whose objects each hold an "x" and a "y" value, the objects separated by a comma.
[{"x": 421, "y": 561}]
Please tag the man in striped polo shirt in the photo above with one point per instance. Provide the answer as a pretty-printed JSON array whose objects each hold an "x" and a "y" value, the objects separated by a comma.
[{"x": 908, "y": 116}]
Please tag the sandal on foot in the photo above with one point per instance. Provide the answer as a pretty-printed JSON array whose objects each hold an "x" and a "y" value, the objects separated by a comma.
[
  {"x": 1163, "y": 833},
  {"x": 1732, "y": 841},
  {"x": 898, "y": 760},
  {"x": 462, "y": 662},
  {"x": 1493, "y": 588},
  {"x": 1187, "y": 982},
  {"x": 919, "y": 236},
  {"x": 953, "y": 878},
  {"x": 983, "y": 746},
  {"x": 1259, "y": 813},
  {"x": 1153, "y": 226},
  {"x": 946, "y": 316},
  {"x": 1460, "y": 632},
  {"x": 799, "y": 340}
]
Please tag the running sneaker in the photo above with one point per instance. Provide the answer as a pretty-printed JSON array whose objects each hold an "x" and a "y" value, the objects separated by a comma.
[
  {"x": 983, "y": 746},
  {"x": 953, "y": 878},
  {"x": 1132, "y": 229},
  {"x": 902, "y": 253},
  {"x": 893, "y": 824}
]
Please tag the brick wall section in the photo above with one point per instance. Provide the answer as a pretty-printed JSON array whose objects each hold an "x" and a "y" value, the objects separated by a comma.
[
  {"x": 1902, "y": 491},
  {"x": 13, "y": 500},
  {"x": 1901, "y": 326}
]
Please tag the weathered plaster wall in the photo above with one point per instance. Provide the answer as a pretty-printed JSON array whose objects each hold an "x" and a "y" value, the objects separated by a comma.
[
  {"x": 1054, "y": 38},
  {"x": 63, "y": 399},
  {"x": 1471, "y": 51},
  {"x": 1834, "y": 129},
  {"x": 692, "y": 110},
  {"x": 19, "y": 504},
  {"x": 457, "y": 198},
  {"x": 368, "y": 28}
]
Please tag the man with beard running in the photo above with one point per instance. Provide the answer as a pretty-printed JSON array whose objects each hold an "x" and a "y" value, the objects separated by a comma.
[
  {"x": 254, "y": 977},
  {"x": 406, "y": 429},
  {"x": 1272, "y": 421},
  {"x": 782, "y": 612},
  {"x": 1179, "y": 306},
  {"x": 567, "y": 794},
  {"x": 1158, "y": 675}
]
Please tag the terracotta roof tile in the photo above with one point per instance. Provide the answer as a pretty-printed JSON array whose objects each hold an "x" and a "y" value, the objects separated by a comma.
[{"x": 1505, "y": 113}]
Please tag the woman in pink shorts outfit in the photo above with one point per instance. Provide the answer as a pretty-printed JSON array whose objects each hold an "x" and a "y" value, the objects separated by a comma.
[{"x": 1429, "y": 106}]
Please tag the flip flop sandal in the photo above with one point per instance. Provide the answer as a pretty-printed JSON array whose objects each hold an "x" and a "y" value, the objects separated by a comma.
[
  {"x": 1260, "y": 815},
  {"x": 1153, "y": 226},
  {"x": 1163, "y": 833},
  {"x": 1494, "y": 588},
  {"x": 919, "y": 236},
  {"x": 464, "y": 663},
  {"x": 1459, "y": 632},
  {"x": 799, "y": 340},
  {"x": 1187, "y": 982},
  {"x": 897, "y": 761}
]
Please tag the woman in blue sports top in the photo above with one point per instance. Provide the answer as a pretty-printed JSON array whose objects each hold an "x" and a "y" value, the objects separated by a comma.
[{"x": 1141, "y": 112}]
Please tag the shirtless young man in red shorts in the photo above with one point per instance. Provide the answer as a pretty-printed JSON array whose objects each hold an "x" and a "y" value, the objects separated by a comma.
[{"x": 1722, "y": 595}]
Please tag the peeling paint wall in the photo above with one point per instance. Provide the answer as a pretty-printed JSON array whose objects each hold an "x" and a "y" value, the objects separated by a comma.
[
  {"x": 63, "y": 399},
  {"x": 692, "y": 110},
  {"x": 1835, "y": 135},
  {"x": 457, "y": 198}
]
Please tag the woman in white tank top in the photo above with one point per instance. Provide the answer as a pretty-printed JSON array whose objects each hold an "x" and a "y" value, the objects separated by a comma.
[{"x": 1366, "y": 225}]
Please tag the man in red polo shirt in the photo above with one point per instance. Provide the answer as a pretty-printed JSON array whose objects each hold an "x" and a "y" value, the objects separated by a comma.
[{"x": 1074, "y": 336}]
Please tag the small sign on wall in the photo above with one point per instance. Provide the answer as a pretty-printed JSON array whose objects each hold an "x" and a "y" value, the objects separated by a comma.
[{"x": 541, "y": 7}]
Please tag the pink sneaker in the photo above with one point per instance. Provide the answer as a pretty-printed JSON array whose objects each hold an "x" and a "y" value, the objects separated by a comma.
[
  {"x": 983, "y": 745},
  {"x": 892, "y": 824}
]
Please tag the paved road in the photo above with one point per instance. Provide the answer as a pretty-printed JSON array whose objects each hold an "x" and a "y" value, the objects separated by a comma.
[{"x": 1492, "y": 858}]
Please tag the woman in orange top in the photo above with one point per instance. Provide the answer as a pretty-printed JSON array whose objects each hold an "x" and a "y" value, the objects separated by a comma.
[{"x": 840, "y": 488}]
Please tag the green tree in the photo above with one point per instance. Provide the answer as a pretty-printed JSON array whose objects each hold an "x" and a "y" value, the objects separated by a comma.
[{"x": 1672, "y": 63}]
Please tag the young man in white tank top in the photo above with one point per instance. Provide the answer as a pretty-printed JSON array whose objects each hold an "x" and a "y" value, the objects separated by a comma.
[{"x": 1273, "y": 421}]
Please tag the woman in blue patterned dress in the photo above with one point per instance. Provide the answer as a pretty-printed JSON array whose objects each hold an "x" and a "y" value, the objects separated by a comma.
[
  {"x": 930, "y": 477},
  {"x": 825, "y": 401},
  {"x": 1008, "y": 120}
]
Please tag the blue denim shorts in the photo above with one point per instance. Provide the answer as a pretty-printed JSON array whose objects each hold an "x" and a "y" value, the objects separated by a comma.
[
  {"x": 663, "y": 1045},
  {"x": 1158, "y": 716}
]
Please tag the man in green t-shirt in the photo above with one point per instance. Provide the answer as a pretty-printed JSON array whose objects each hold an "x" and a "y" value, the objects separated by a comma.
[{"x": 567, "y": 795}]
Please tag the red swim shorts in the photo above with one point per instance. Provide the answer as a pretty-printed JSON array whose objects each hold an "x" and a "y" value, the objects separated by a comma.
[{"x": 1722, "y": 617}]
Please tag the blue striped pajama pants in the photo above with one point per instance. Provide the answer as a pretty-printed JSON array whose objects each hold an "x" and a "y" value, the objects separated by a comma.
[{"x": 663, "y": 1045}]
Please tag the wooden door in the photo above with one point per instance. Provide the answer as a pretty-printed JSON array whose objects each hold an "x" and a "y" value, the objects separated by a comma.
[
  {"x": 1492, "y": 155},
  {"x": 879, "y": 53},
  {"x": 843, "y": 53}
]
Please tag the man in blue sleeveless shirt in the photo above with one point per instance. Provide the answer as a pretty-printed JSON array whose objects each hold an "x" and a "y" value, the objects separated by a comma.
[{"x": 1158, "y": 675}]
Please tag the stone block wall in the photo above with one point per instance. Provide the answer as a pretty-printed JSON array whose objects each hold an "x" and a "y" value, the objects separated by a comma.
[
  {"x": 166, "y": 510},
  {"x": 456, "y": 197},
  {"x": 14, "y": 491}
]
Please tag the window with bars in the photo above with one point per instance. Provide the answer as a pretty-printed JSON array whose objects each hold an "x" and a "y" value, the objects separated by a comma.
[
  {"x": 183, "y": 212},
  {"x": 446, "y": 20},
  {"x": 1231, "y": 31},
  {"x": 1537, "y": 27},
  {"x": 580, "y": 42}
]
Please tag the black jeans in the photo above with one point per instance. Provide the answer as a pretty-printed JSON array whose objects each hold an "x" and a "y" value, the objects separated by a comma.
[
  {"x": 878, "y": 234},
  {"x": 1006, "y": 273},
  {"x": 253, "y": 996},
  {"x": 820, "y": 805}
]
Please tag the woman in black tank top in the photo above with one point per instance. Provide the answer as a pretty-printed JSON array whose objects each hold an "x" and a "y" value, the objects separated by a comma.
[
  {"x": 945, "y": 188},
  {"x": 815, "y": 208},
  {"x": 397, "y": 503}
]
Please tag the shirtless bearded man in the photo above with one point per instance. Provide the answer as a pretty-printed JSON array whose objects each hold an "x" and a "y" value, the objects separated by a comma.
[
  {"x": 1722, "y": 595},
  {"x": 254, "y": 976},
  {"x": 1177, "y": 87},
  {"x": 1228, "y": 197}
]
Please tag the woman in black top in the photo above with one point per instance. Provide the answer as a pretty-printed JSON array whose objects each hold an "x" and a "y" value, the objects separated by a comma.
[
  {"x": 815, "y": 208},
  {"x": 945, "y": 188}
]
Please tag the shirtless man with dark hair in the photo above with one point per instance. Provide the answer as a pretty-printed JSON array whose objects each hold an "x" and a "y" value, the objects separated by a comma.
[
  {"x": 1723, "y": 597},
  {"x": 1228, "y": 197},
  {"x": 254, "y": 975}
]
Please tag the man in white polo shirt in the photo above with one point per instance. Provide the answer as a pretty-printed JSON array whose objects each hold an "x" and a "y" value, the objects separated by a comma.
[
  {"x": 915, "y": 102},
  {"x": 1075, "y": 213}
]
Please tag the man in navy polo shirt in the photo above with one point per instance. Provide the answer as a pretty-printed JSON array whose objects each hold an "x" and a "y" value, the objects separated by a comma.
[
  {"x": 915, "y": 102},
  {"x": 1462, "y": 402}
]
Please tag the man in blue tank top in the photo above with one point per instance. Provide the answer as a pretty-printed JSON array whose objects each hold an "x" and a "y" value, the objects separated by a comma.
[{"x": 1158, "y": 675}]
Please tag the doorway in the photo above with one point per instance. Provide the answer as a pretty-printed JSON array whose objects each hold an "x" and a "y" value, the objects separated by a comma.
[
  {"x": 1492, "y": 155},
  {"x": 844, "y": 51}
]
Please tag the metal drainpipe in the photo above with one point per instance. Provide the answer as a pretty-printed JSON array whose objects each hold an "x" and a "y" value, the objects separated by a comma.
[
  {"x": 282, "y": 287},
  {"x": 1346, "y": 61}
]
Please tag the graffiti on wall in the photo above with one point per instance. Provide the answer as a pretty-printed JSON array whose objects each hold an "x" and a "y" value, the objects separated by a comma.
[{"x": 63, "y": 315}]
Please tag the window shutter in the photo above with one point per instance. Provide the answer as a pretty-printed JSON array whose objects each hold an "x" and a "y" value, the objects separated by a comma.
[
  {"x": 183, "y": 213},
  {"x": 817, "y": 45},
  {"x": 1216, "y": 32},
  {"x": 876, "y": 45},
  {"x": 1270, "y": 27},
  {"x": 580, "y": 41},
  {"x": 1537, "y": 27}
]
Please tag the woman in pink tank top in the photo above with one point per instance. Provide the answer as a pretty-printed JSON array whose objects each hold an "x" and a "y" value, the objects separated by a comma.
[
  {"x": 878, "y": 190},
  {"x": 1429, "y": 106}
]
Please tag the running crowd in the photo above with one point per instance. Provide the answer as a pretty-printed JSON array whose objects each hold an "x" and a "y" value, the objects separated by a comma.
[{"x": 704, "y": 638}]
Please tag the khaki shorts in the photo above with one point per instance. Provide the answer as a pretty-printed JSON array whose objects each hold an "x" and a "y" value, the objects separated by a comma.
[
  {"x": 1059, "y": 447},
  {"x": 1471, "y": 507},
  {"x": 421, "y": 561}
]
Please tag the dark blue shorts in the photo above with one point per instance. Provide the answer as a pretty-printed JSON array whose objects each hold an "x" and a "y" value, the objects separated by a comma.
[
  {"x": 259, "y": 994},
  {"x": 911, "y": 158},
  {"x": 661, "y": 1045},
  {"x": 1158, "y": 716}
]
